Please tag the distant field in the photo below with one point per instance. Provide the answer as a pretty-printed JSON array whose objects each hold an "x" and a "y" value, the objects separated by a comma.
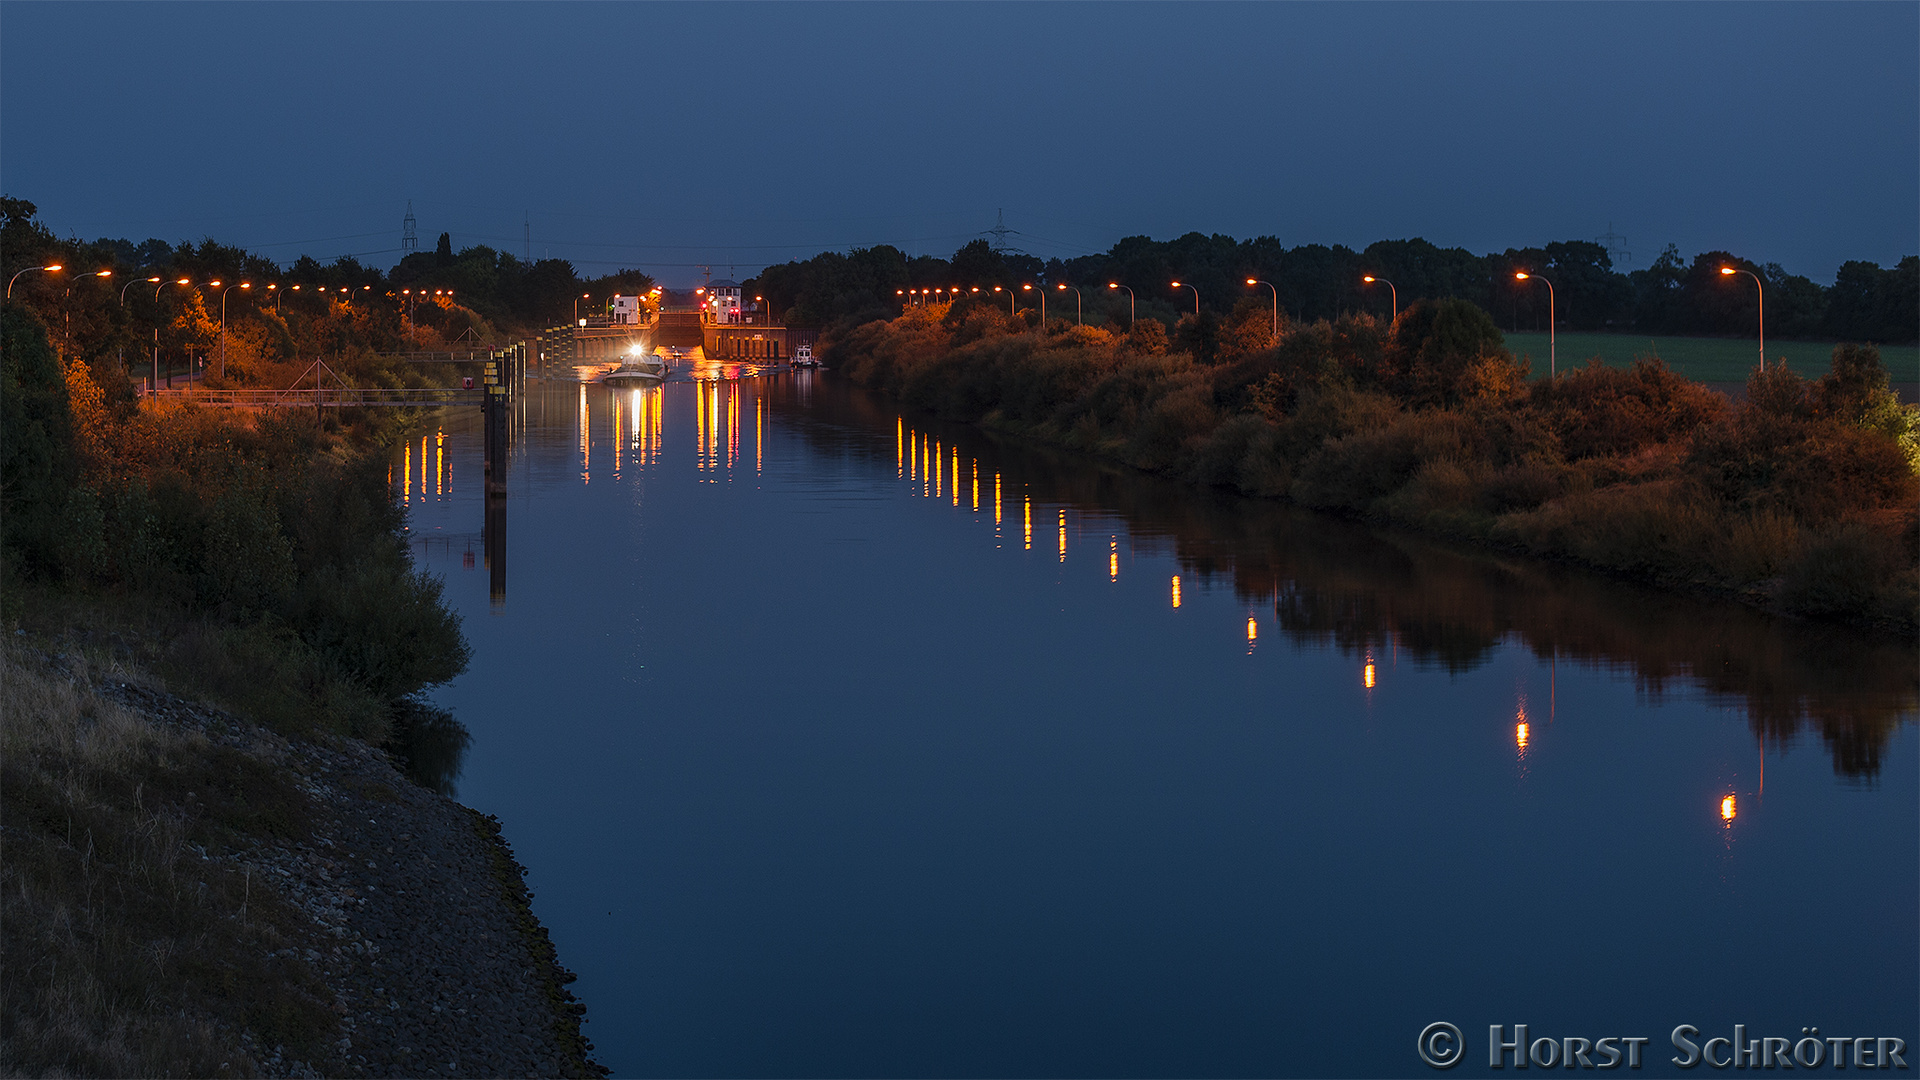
[{"x": 1704, "y": 359}]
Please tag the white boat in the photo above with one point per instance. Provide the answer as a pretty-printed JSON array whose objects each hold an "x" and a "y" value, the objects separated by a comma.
[
  {"x": 803, "y": 357},
  {"x": 638, "y": 369}
]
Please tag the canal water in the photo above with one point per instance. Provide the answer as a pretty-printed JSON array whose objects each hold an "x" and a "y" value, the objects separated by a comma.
[{"x": 842, "y": 742}]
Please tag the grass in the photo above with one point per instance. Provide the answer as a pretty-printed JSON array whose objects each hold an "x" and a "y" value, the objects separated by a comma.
[
  {"x": 1717, "y": 360},
  {"x": 137, "y": 944}
]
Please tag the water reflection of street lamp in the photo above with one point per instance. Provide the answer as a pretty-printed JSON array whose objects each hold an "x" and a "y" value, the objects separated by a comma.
[
  {"x": 1117, "y": 285},
  {"x": 1076, "y": 303},
  {"x": 1553, "y": 365},
  {"x": 1391, "y": 291},
  {"x": 1728, "y": 271},
  {"x": 1196, "y": 296}
]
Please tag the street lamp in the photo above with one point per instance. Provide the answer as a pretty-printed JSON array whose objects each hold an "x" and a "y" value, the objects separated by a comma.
[
  {"x": 223, "y": 322},
  {"x": 1076, "y": 303},
  {"x": 156, "y": 330},
  {"x": 67, "y": 304},
  {"x": 54, "y": 268},
  {"x": 1009, "y": 293},
  {"x": 131, "y": 282},
  {"x": 1392, "y": 292},
  {"x": 1276, "y": 301},
  {"x": 1553, "y": 365},
  {"x": 1196, "y": 296},
  {"x": 586, "y": 296},
  {"x": 281, "y": 293},
  {"x": 1043, "y": 303},
  {"x": 1728, "y": 271},
  {"x": 1117, "y": 285}
]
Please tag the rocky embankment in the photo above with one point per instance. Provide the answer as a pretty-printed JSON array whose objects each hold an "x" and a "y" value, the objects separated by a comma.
[{"x": 400, "y": 912}]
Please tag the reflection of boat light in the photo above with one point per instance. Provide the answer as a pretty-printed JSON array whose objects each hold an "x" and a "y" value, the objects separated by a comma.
[
  {"x": 1367, "y": 676},
  {"x": 1520, "y": 732},
  {"x": 1176, "y": 590},
  {"x": 1727, "y": 809}
]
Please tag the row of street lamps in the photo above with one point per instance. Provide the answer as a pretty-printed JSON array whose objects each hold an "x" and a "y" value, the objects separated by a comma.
[{"x": 1553, "y": 360}]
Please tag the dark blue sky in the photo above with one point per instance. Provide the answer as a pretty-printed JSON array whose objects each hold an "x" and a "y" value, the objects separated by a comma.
[{"x": 734, "y": 135}]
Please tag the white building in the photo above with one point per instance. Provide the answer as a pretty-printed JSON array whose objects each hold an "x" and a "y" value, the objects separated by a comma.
[
  {"x": 625, "y": 311},
  {"x": 723, "y": 301}
]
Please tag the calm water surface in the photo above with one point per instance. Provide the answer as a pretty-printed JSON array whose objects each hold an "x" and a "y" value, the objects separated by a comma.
[{"x": 842, "y": 742}]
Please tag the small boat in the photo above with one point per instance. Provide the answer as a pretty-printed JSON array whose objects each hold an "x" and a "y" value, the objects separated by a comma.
[
  {"x": 639, "y": 369},
  {"x": 803, "y": 357}
]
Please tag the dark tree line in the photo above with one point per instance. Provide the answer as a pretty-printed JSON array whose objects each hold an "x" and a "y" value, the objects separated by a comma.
[
  {"x": 1673, "y": 296},
  {"x": 504, "y": 290}
]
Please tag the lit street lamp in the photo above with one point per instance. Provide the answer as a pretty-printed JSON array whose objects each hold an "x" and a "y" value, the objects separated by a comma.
[
  {"x": 1196, "y": 296},
  {"x": 1076, "y": 303},
  {"x": 588, "y": 296},
  {"x": 1043, "y": 303},
  {"x": 223, "y": 322},
  {"x": 1276, "y": 301},
  {"x": 131, "y": 282},
  {"x": 1728, "y": 271},
  {"x": 54, "y": 268},
  {"x": 1392, "y": 292},
  {"x": 281, "y": 293},
  {"x": 1117, "y": 285},
  {"x": 67, "y": 304},
  {"x": 1553, "y": 365},
  {"x": 1009, "y": 293},
  {"x": 156, "y": 329}
]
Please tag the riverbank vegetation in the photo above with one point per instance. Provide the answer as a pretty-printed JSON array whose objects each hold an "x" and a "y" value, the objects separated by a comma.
[
  {"x": 1802, "y": 497},
  {"x": 249, "y": 559}
]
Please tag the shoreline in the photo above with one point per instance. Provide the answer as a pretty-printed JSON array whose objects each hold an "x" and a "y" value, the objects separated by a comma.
[
  {"x": 396, "y": 918},
  {"x": 1755, "y": 598}
]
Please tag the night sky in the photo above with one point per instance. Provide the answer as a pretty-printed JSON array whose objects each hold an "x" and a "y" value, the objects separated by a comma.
[{"x": 665, "y": 137}]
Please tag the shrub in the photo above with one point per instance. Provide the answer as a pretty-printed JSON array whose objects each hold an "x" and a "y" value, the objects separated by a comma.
[{"x": 1600, "y": 410}]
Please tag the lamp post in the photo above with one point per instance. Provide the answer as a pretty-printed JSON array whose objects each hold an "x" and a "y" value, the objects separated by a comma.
[
  {"x": 1117, "y": 285},
  {"x": 1276, "y": 301},
  {"x": 1196, "y": 296},
  {"x": 223, "y": 322},
  {"x": 281, "y": 293},
  {"x": 1009, "y": 293},
  {"x": 1392, "y": 292},
  {"x": 1043, "y": 302},
  {"x": 131, "y": 282},
  {"x": 66, "y": 330},
  {"x": 1076, "y": 303},
  {"x": 52, "y": 267},
  {"x": 1729, "y": 271},
  {"x": 585, "y": 296},
  {"x": 1553, "y": 364},
  {"x": 156, "y": 330}
]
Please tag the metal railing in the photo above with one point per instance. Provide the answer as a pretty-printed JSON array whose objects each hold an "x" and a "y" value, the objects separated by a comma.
[
  {"x": 474, "y": 355},
  {"x": 327, "y": 398}
]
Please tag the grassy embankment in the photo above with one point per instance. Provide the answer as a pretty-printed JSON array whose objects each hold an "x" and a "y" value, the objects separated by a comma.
[
  {"x": 252, "y": 560},
  {"x": 1710, "y": 360},
  {"x": 1802, "y": 498}
]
